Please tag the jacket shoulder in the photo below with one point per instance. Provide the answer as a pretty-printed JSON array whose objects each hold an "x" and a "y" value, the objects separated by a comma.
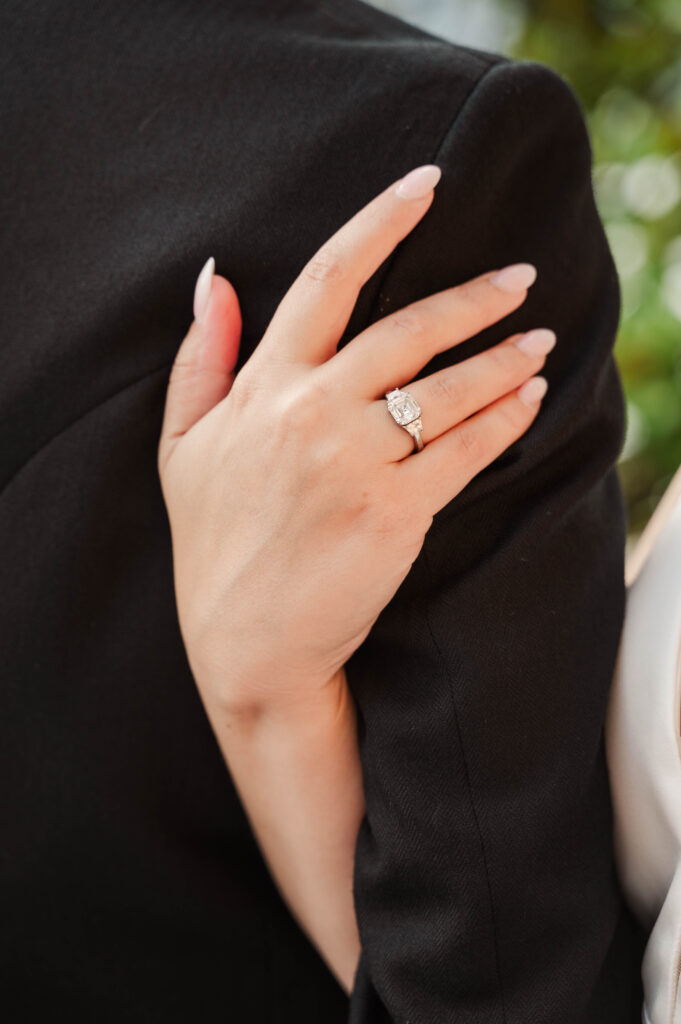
[{"x": 437, "y": 72}]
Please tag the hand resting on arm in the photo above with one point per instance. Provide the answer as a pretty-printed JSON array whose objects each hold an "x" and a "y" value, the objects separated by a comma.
[{"x": 284, "y": 488}]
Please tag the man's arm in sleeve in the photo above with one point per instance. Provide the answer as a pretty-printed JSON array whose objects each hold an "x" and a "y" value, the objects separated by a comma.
[{"x": 484, "y": 881}]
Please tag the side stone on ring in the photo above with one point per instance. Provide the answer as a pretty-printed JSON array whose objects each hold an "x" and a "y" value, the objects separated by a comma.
[{"x": 406, "y": 411}]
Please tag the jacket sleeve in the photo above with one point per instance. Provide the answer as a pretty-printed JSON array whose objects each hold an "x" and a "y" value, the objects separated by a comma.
[{"x": 484, "y": 882}]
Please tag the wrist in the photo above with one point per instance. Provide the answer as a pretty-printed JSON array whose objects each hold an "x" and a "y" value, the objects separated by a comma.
[{"x": 292, "y": 706}]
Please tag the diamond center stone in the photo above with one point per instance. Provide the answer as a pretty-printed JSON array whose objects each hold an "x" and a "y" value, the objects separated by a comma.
[{"x": 404, "y": 408}]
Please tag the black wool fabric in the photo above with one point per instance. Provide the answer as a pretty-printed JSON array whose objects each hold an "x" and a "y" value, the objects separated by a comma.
[{"x": 139, "y": 138}]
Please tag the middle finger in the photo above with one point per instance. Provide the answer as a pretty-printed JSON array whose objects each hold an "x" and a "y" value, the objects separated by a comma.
[{"x": 395, "y": 348}]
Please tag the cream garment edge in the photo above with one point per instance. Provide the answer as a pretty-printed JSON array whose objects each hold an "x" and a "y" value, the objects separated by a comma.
[{"x": 643, "y": 746}]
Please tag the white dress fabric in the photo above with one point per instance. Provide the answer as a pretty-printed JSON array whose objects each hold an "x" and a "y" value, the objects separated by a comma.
[{"x": 643, "y": 744}]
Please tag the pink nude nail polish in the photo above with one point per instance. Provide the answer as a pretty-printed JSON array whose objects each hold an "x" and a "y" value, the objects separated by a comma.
[
  {"x": 533, "y": 390},
  {"x": 419, "y": 182},
  {"x": 537, "y": 342},
  {"x": 202, "y": 289},
  {"x": 515, "y": 277}
]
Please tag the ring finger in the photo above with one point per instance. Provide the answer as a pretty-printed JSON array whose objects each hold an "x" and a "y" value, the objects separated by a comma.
[{"x": 457, "y": 392}]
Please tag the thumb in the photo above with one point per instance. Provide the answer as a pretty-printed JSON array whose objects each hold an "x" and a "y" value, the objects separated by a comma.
[{"x": 202, "y": 373}]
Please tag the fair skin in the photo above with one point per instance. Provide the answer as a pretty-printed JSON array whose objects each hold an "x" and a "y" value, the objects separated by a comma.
[{"x": 284, "y": 489}]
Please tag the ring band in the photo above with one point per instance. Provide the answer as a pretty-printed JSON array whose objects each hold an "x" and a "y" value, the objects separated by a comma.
[{"x": 406, "y": 411}]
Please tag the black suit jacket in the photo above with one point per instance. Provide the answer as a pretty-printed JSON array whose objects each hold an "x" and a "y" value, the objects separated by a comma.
[{"x": 141, "y": 137}]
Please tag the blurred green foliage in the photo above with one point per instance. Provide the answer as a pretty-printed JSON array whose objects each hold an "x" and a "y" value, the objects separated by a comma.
[{"x": 623, "y": 60}]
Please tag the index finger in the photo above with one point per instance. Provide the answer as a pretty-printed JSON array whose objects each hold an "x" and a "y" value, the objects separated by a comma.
[{"x": 310, "y": 319}]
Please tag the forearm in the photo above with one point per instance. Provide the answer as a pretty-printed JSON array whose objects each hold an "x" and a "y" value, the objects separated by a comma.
[{"x": 298, "y": 775}]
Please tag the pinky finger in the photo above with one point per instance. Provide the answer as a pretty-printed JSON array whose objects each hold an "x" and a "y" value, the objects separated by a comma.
[{"x": 448, "y": 463}]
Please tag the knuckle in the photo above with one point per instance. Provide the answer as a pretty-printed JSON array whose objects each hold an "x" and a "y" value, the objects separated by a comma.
[
  {"x": 515, "y": 414},
  {"x": 447, "y": 386},
  {"x": 387, "y": 518},
  {"x": 501, "y": 358},
  {"x": 319, "y": 467},
  {"x": 375, "y": 508},
  {"x": 244, "y": 389},
  {"x": 380, "y": 509},
  {"x": 409, "y": 322},
  {"x": 359, "y": 506},
  {"x": 328, "y": 264},
  {"x": 330, "y": 454},
  {"x": 473, "y": 294},
  {"x": 182, "y": 371},
  {"x": 301, "y": 410},
  {"x": 411, "y": 520},
  {"x": 470, "y": 442}
]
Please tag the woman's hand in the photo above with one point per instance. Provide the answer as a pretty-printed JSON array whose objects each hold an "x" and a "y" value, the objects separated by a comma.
[{"x": 295, "y": 504}]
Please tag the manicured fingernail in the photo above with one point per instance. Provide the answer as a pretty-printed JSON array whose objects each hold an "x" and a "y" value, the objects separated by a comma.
[
  {"x": 419, "y": 182},
  {"x": 537, "y": 342},
  {"x": 514, "y": 277},
  {"x": 202, "y": 289},
  {"x": 533, "y": 390}
]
